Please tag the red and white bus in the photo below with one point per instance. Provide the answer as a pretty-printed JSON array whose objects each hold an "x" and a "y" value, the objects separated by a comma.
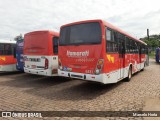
[
  {"x": 7, "y": 58},
  {"x": 41, "y": 53},
  {"x": 95, "y": 50}
]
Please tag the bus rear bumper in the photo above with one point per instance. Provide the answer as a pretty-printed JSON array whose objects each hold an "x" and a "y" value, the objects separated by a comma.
[
  {"x": 40, "y": 72},
  {"x": 102, "y": 78},
  {"x": 8, "y": 68}
]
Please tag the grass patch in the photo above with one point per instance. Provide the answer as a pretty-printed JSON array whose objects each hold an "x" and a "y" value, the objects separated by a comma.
[{"x": 152, "y": 54}]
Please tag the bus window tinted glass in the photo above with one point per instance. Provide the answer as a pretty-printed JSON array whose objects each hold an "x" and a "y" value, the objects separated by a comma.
[
  {"x": 109, "y": 35},
  {"x": 86, "y": 33},
  {"x": 6, "y": 49},
  {"x": 55, "y": 45}
]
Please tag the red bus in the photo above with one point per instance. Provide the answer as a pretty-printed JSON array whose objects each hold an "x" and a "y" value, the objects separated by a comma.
[
  {"x": 95, "y": 50},
  {"x": 41, "y": 53},
  {"x": 7, "y": 58}
]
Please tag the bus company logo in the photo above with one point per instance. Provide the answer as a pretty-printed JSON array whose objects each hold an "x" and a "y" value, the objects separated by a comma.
[
  {"x": 110, "y": 58},
  {"x": 85, "y": 59},
  {"x": 3, "y": 58},
  {"x": 78, "y": 54}
]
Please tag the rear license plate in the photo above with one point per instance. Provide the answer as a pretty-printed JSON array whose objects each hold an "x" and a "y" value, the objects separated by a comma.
[{"x": 33, "y": 66}]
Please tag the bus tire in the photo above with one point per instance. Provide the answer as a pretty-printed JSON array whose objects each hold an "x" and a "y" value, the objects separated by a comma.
[{"x": 129, "y": 74}]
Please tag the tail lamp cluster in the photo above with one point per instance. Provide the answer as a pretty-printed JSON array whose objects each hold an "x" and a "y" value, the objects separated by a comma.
[
  {"x": 99, "y": 66},
  {"x": 60, "y": 64},
  {"x": 46, "y": 63}
]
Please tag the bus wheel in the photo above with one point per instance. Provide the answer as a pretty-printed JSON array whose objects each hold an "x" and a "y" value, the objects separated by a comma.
[{"x": 129, "y": 74}]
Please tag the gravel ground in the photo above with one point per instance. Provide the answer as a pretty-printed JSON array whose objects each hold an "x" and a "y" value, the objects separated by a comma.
[{"x": 25, "y": 92}]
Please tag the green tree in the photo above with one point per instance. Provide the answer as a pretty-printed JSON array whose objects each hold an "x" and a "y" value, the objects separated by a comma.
[{"x": 153, "y": 42}]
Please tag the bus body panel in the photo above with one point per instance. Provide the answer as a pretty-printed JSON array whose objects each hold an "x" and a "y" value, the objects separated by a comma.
[
  {"x": 7, "y": 59},
  {"x": 105, "y": 78},
  {"x": 115, "y": 65},
  {"x": 7, "y": 63},
  {"x": 157, "y": 56},
  {"x": 39, "y": 57},
  {"x": 39, "y": 43},
  {"x": 8, "y": 68},
  {"x": 19, "y": 55},
  {"x": 84, "y": 60},
  {"x": 38, "y": 67}
]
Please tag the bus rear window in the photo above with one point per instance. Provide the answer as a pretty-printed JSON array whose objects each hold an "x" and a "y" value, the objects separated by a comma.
[{"x": 86, "y": 33}]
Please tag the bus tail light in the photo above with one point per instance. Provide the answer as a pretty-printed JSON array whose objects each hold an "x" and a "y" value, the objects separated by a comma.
[
  {"x": 60, "y": 64},
  {"x": 46, "y": 63},
  {"x": 99, "y": 66}
]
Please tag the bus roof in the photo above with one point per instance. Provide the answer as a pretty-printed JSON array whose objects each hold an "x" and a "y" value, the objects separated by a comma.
[
  {"x": 107, "y": 25},
  {"x": 43, "y": 31},
  {"x": 7, "y": 41}
]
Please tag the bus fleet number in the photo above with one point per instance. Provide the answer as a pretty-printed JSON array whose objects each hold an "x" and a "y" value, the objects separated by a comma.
[{"x": 89, "y": 71}]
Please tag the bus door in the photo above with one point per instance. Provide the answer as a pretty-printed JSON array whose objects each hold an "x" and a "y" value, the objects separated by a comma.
[
  {"x": 121, "y": 56},
  {"x": 137, "y": 51},
  {"x": 140, "y": 52},
  {"x": 147, "y": 60}
]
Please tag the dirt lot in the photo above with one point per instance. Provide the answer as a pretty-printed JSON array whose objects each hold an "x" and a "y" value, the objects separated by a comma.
[{"x": 25, "y": 92}]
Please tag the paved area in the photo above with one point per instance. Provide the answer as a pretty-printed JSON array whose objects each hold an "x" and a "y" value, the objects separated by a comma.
[{"x": 25, "y": 92}]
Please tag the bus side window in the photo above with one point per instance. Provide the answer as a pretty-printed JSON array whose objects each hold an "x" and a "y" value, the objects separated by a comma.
[
  {"x": 121, "y": 43},
  {"x": 137, "y": 47},
  {"x": 1, "y": 49},
  {"x": 127, "y": 45},
  {"x": 55, "y": 45},
  {"x": 108, "y": 34},
  {"x": 111, "y": 41},
  {"x": 115, "y": 41},
  {"x": 143, "y": 49},
  {"x": 132, "y": 45},
  {"x": 8, "y": 49}
]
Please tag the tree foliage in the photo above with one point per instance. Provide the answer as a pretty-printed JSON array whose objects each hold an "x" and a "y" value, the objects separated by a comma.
[{"x": 153, "y": 41}]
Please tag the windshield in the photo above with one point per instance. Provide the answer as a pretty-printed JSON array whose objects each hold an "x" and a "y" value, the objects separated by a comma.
[
  {"x": 36, "y": 44},
  {"x": 86, "y": 33}
]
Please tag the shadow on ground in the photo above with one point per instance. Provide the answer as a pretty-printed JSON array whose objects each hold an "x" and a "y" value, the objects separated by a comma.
[
  {"x": 74, "y": 90},
  {"x": 57, "y": 88},
  {"x": 32, "y": 81},
  {"x": 9, "y": 73}
]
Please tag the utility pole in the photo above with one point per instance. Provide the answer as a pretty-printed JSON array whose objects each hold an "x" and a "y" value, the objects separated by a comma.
[
  {"x": 147, "y": 62},
  {"x": 148, "y": 33},
  {"x": 148, "y": 38}
]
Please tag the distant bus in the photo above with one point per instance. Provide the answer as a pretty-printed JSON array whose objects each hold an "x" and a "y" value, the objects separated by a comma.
[
  {"x": 158, "y": 55},
  {"x": 7, "y": 58},
  {"x": 19, "y": 55},
  {"x": 95, "y": 50},
  {"x": 41, "y": 53}
]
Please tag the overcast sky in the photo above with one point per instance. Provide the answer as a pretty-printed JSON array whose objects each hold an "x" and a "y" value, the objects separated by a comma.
[{"x": 132, "y": 16}]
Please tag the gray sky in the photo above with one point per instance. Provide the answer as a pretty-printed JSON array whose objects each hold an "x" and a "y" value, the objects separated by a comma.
[{"x": 132, "y": 16}]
